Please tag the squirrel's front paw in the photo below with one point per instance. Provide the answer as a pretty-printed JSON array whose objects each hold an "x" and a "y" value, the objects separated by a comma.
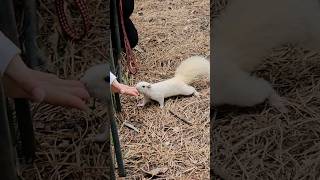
[
  {"x": 278, "y": 102},
  {"x": 140, "y": 104}
]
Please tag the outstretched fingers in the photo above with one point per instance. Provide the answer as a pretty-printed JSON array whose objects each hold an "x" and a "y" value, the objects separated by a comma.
[
  {"x": 65, "y": 98},
  {"x": 77, "y": 91}
]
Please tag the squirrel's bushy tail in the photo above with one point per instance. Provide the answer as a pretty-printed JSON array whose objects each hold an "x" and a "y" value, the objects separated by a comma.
[{"x": 192, "y": 68}]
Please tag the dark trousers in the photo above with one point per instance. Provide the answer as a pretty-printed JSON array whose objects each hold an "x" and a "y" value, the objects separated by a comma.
[
  {"x": 132, "y": 33},
  {"x": 7, "y": 153}
]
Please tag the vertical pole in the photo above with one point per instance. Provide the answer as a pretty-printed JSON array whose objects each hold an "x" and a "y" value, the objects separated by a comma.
[
  {"x": 34, "y": 56},
  {"x": 114, "y": 130},
  {"x": 115, "y": 28},
  {"x": 9, "y": 27},
  {"x": 7, "y": 156},
  {"x": 24, "y": 119},
  {"x": 113, "y": 60},
  {"x": 116, "y": 52},
  {"x": 117, "y": 147}
]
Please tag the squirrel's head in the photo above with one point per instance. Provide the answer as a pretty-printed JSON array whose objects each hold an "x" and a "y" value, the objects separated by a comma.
[{"x": 143, "y": 86}]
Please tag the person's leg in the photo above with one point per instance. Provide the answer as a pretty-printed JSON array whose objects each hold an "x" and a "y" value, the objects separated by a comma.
[
  {"x": 128, "y": 7},
  {"x": 132, "y": 33},
  {"x": 130, "y": 27}
]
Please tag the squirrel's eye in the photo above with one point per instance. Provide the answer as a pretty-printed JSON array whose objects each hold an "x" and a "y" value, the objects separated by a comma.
[{"x": 143, "y": 86}]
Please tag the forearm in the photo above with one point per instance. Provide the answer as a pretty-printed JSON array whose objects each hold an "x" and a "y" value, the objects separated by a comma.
[
  {"x": 8, "y": 52},
  {"x": 117, "y": 87},
  {"x": 114, "y": 83}
]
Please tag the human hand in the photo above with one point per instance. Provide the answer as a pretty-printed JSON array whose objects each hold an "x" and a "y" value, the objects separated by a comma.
[
  {"x": 124, "y": 89},
  {"x": 23, "y": 82}
]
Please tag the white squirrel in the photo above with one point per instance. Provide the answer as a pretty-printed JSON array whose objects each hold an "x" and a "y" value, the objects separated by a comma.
[
  {"x": 185, "y": 74},
  {"x": 244, "y": 34}
]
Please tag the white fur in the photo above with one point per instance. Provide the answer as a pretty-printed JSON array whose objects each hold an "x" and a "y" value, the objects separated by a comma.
[
  {"x": 244, "y": 34},
  {"x": 192, "y": 67},
  {"x": 186, "y": 72}
]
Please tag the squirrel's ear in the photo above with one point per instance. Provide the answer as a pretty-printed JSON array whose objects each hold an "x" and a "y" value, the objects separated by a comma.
[{"x": 149, "y": 86}]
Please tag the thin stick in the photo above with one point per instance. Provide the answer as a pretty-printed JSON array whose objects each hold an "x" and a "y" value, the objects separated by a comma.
[{"x": 182, "y": 119}]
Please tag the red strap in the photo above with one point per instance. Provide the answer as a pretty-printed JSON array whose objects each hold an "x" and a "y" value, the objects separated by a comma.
[
  {"x": 71, "y": 32},
  {"x": 131, "y": 60}
]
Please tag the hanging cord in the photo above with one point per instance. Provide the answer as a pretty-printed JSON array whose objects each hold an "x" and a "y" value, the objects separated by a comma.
[
  {"x": 131, "y": 60},
  {"x": 71, "y": 32}
]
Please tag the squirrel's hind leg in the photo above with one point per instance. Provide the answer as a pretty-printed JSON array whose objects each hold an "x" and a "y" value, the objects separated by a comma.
[
  {"x": 189, "y": 90},
  {"x": 242, "y": 89}
]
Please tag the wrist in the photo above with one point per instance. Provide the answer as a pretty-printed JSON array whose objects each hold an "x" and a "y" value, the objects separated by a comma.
[
  {"x": 16, "y": 65},
  {"x": 115, "y": 83},
  {"x": 115, "y": 86}
]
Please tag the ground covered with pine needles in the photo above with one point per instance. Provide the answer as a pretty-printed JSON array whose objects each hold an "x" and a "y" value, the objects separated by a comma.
[
  {"x": 164, "y": 145},
  {"x": 261, "y": 143}
]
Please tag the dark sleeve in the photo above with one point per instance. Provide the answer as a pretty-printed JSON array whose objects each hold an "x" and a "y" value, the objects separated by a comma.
[{"x": 7, "y": 51}]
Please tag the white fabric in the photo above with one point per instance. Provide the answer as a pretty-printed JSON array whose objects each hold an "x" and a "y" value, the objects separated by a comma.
[
  {"x": 7, "y": 51},
  {"x": 112, "y": 77}
]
